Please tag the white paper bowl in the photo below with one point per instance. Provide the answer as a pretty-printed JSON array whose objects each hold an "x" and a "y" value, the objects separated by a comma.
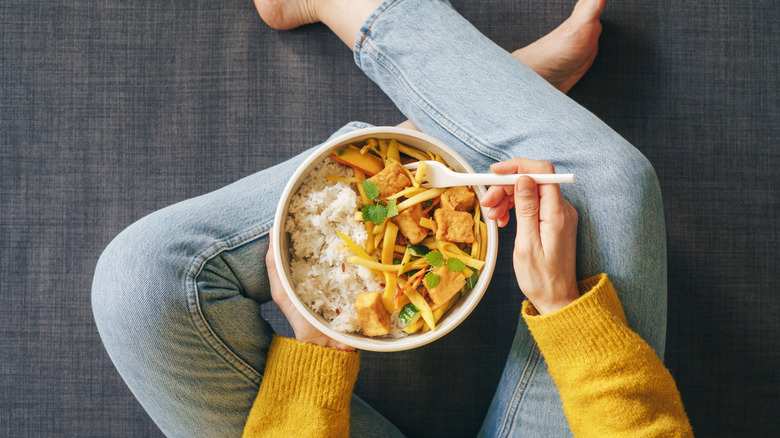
[{"x": 281, "y": 241}]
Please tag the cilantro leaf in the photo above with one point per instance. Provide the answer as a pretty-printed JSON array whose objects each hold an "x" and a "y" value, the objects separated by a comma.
[
  {"x": 372, "y": 191},
  {"x": 455, "y": 265},
  {"x": 392, "y": 208},
  {"x": 377, "y": 214},
  {"x": 435, "y": 258},
  {"x": 432, "y": 280}
]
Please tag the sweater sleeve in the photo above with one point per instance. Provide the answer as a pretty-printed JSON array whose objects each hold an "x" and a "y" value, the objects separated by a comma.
[
  {"x": 611, "y": 382},
  {"x": 305, "y": 392}
]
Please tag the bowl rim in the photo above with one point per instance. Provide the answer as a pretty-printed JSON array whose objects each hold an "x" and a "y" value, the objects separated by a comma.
[{"x": 464, "y": 306}]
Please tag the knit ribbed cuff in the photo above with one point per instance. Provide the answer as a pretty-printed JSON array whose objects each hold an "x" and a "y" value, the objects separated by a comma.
[
  {"x": 310, "y": 374},
  {"x": 594, "y": 324}
]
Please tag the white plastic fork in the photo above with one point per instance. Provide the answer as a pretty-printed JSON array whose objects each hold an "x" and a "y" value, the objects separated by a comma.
[{"x": 438, "y": 175}]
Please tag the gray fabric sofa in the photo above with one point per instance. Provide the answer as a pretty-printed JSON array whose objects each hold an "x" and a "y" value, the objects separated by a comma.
[{"x": 110, "y": 110}]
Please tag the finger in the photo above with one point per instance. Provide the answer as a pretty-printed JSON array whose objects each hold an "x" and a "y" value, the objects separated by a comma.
[
  {"x": 495, "y": 194},
  {"x": 277, "y": 290},
  {"x": 527, "y": 209},
  {"x": 501, "y": 209},
  {"x": 518, "y": 165}
]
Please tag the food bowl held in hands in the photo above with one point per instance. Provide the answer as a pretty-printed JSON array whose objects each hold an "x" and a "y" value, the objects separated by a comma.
[{"x": 282, "y": 244}]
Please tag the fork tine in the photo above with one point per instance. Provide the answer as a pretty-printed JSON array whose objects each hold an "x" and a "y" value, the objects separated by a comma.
[{"x": 412, "y": 166}]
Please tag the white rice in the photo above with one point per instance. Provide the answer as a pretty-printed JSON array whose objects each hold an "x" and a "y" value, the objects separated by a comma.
[{"x": 319, "y": 271}]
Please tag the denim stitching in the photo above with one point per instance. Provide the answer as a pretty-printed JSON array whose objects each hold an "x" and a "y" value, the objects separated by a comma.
[
  {"x": 193, "y": 301},
  {"x": 450, "y": 126},
  {"x": 519, "y": 393}
]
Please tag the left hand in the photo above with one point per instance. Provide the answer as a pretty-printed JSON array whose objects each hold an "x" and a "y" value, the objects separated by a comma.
[{"x": 304, "y": 331}]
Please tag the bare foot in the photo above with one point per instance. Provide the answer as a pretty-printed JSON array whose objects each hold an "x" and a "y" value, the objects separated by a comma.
[
  {"x": 565, "y": 54},
  {"x": 286, "y": 14}
]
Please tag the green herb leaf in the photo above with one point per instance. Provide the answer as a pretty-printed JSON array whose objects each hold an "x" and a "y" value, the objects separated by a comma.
[
  {"x": 432, "y": 280},
  {"x": 455, "y": 265},
  {"x": 427, "y": 203},
  {"x": 472, "y": 281},
  {"x": 407, "y": 313},
  {"x": 392, "y": 208},
  {"x": 435, "y": 258},
  {"x": 419, "y": 250},
  {"x": 372, "y": 191},
  {"x": 365, "y": 210},
  {"x": 340, "y": 152},
  {"x": 377, "y": 213}
]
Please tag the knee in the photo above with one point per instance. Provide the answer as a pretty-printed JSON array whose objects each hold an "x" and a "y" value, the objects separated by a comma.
[{"x": 133, "y": 280}]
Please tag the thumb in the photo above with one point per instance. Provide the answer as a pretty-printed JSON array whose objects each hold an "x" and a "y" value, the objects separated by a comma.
[{"x": 527, "y": 207}]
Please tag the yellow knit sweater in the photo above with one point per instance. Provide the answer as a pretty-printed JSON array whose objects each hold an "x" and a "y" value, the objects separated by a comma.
[{"x": 611, "y": 382}]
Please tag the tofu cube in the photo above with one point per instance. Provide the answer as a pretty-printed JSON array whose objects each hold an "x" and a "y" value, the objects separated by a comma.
[
  {"x": 391, "y": 180},
  {"x": 459, "y": 198},
  {"x": 408, "y": 222},
  {"x": 449, "y": 284},
  {"x": 374, "y": 318},
  {"x": 454, "y": 226}
]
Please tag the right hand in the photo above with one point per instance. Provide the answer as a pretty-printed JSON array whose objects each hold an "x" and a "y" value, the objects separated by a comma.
[{"x": 545, "y": 245}]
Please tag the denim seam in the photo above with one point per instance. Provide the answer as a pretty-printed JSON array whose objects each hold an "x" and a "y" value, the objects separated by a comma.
[
  {"x": 519, "y": 392},
  {"x": 205, "y": 331},
  {"x": 365, "y": 29}
]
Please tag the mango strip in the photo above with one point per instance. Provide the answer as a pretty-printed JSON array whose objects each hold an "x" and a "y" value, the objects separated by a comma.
[
  {"x": 377, "y": 239},
  {"x": 370, "y": 264},
  {"x": 427, "y": 223},
  {"x": 384, "y": 144},
  {"x": 361, "y": 176},
  {"x": 389, "y": 295},
  {"x": 421, "y": 168},
  {"x": 370, "y": 247},
  {"x": 415, "y": 324},
  {"x": 399, "y": 248},
  {"x": 401, "y": 301},
  {"x": 407, "y": 192},
  {"x": 417, "y": 264},
  {"x": 344, "y": 179},
  {"x": 420, "y": 303},
  {"x": 388, "y": 244},
  {"x": 483, "y": 237},
  {"x": 379, "y": 229},
  {"x": 354, "y": 246},
  {"x": 412, "y": 152},
  {"x": 392, "y": 151},
  {"x": 421, "y": 197}
]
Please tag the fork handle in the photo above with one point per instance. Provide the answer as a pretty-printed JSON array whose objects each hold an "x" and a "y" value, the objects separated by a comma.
[{"x": 488, "y": 179}]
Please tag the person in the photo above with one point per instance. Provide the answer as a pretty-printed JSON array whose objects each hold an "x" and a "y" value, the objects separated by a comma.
[{"x": 177, "y": 295}]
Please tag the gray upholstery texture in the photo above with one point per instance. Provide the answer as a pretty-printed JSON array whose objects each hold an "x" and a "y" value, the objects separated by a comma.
[{"x": 110, "y": 110}]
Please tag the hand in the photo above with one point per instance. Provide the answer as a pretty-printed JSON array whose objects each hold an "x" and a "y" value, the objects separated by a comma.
[
  {"x": 303, "y": 330},
  {"x": 546, "y": 242}
]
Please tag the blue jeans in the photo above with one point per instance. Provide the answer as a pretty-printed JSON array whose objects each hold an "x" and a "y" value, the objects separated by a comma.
[{"x": 177, "y": 295}]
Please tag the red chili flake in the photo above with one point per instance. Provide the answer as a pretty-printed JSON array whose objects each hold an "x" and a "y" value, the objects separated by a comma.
[
  {"x": 382, "y": 284},
  {"x": 337, "y": 312},
  {"x": 343, "y": 268}
]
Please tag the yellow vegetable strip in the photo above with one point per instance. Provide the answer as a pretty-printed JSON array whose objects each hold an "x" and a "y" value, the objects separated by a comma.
[
  {"x": 372, "y": 264},
  {"x": 430, "y": 242},
  {"x": 354, "y": 246},
  {"x": 370, "y": 247},
  {"x": 388, "y": 244},
  {"x": 358, "y": 216},
  {"x": 399, "y": 249},
  {"x": 421, "y": 168},
  {"x": 427, "y": 223},
  {"x": 379, "y": 229},
  {"x": 415, "y": 325},
  {"x": 421, "y": 197},
  {"x": 405, "y": 260},
  {"x": 483, "y": 237},
  {"x": 389, "y": 295},
  {"x": 377, "y": 239},
  {"x": 440, "y": 160},
  {"x": 430, "y": 156},
  {"x": 364, "y": 150},
  {"x": 417, "y": 264},
  {"x": 422, "y": 305},
  {"x": 475, "y": 250},
  {"x": 412, "y": 152},
  {"x": 344, "y": 179},
  {"x": 401, "y": 301},
  {"x": 358, "y": 174},
  {"x": 392, "y": 151},
  {"x": 383, "y": 145},
  {"x": 407, "y": 192}
]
